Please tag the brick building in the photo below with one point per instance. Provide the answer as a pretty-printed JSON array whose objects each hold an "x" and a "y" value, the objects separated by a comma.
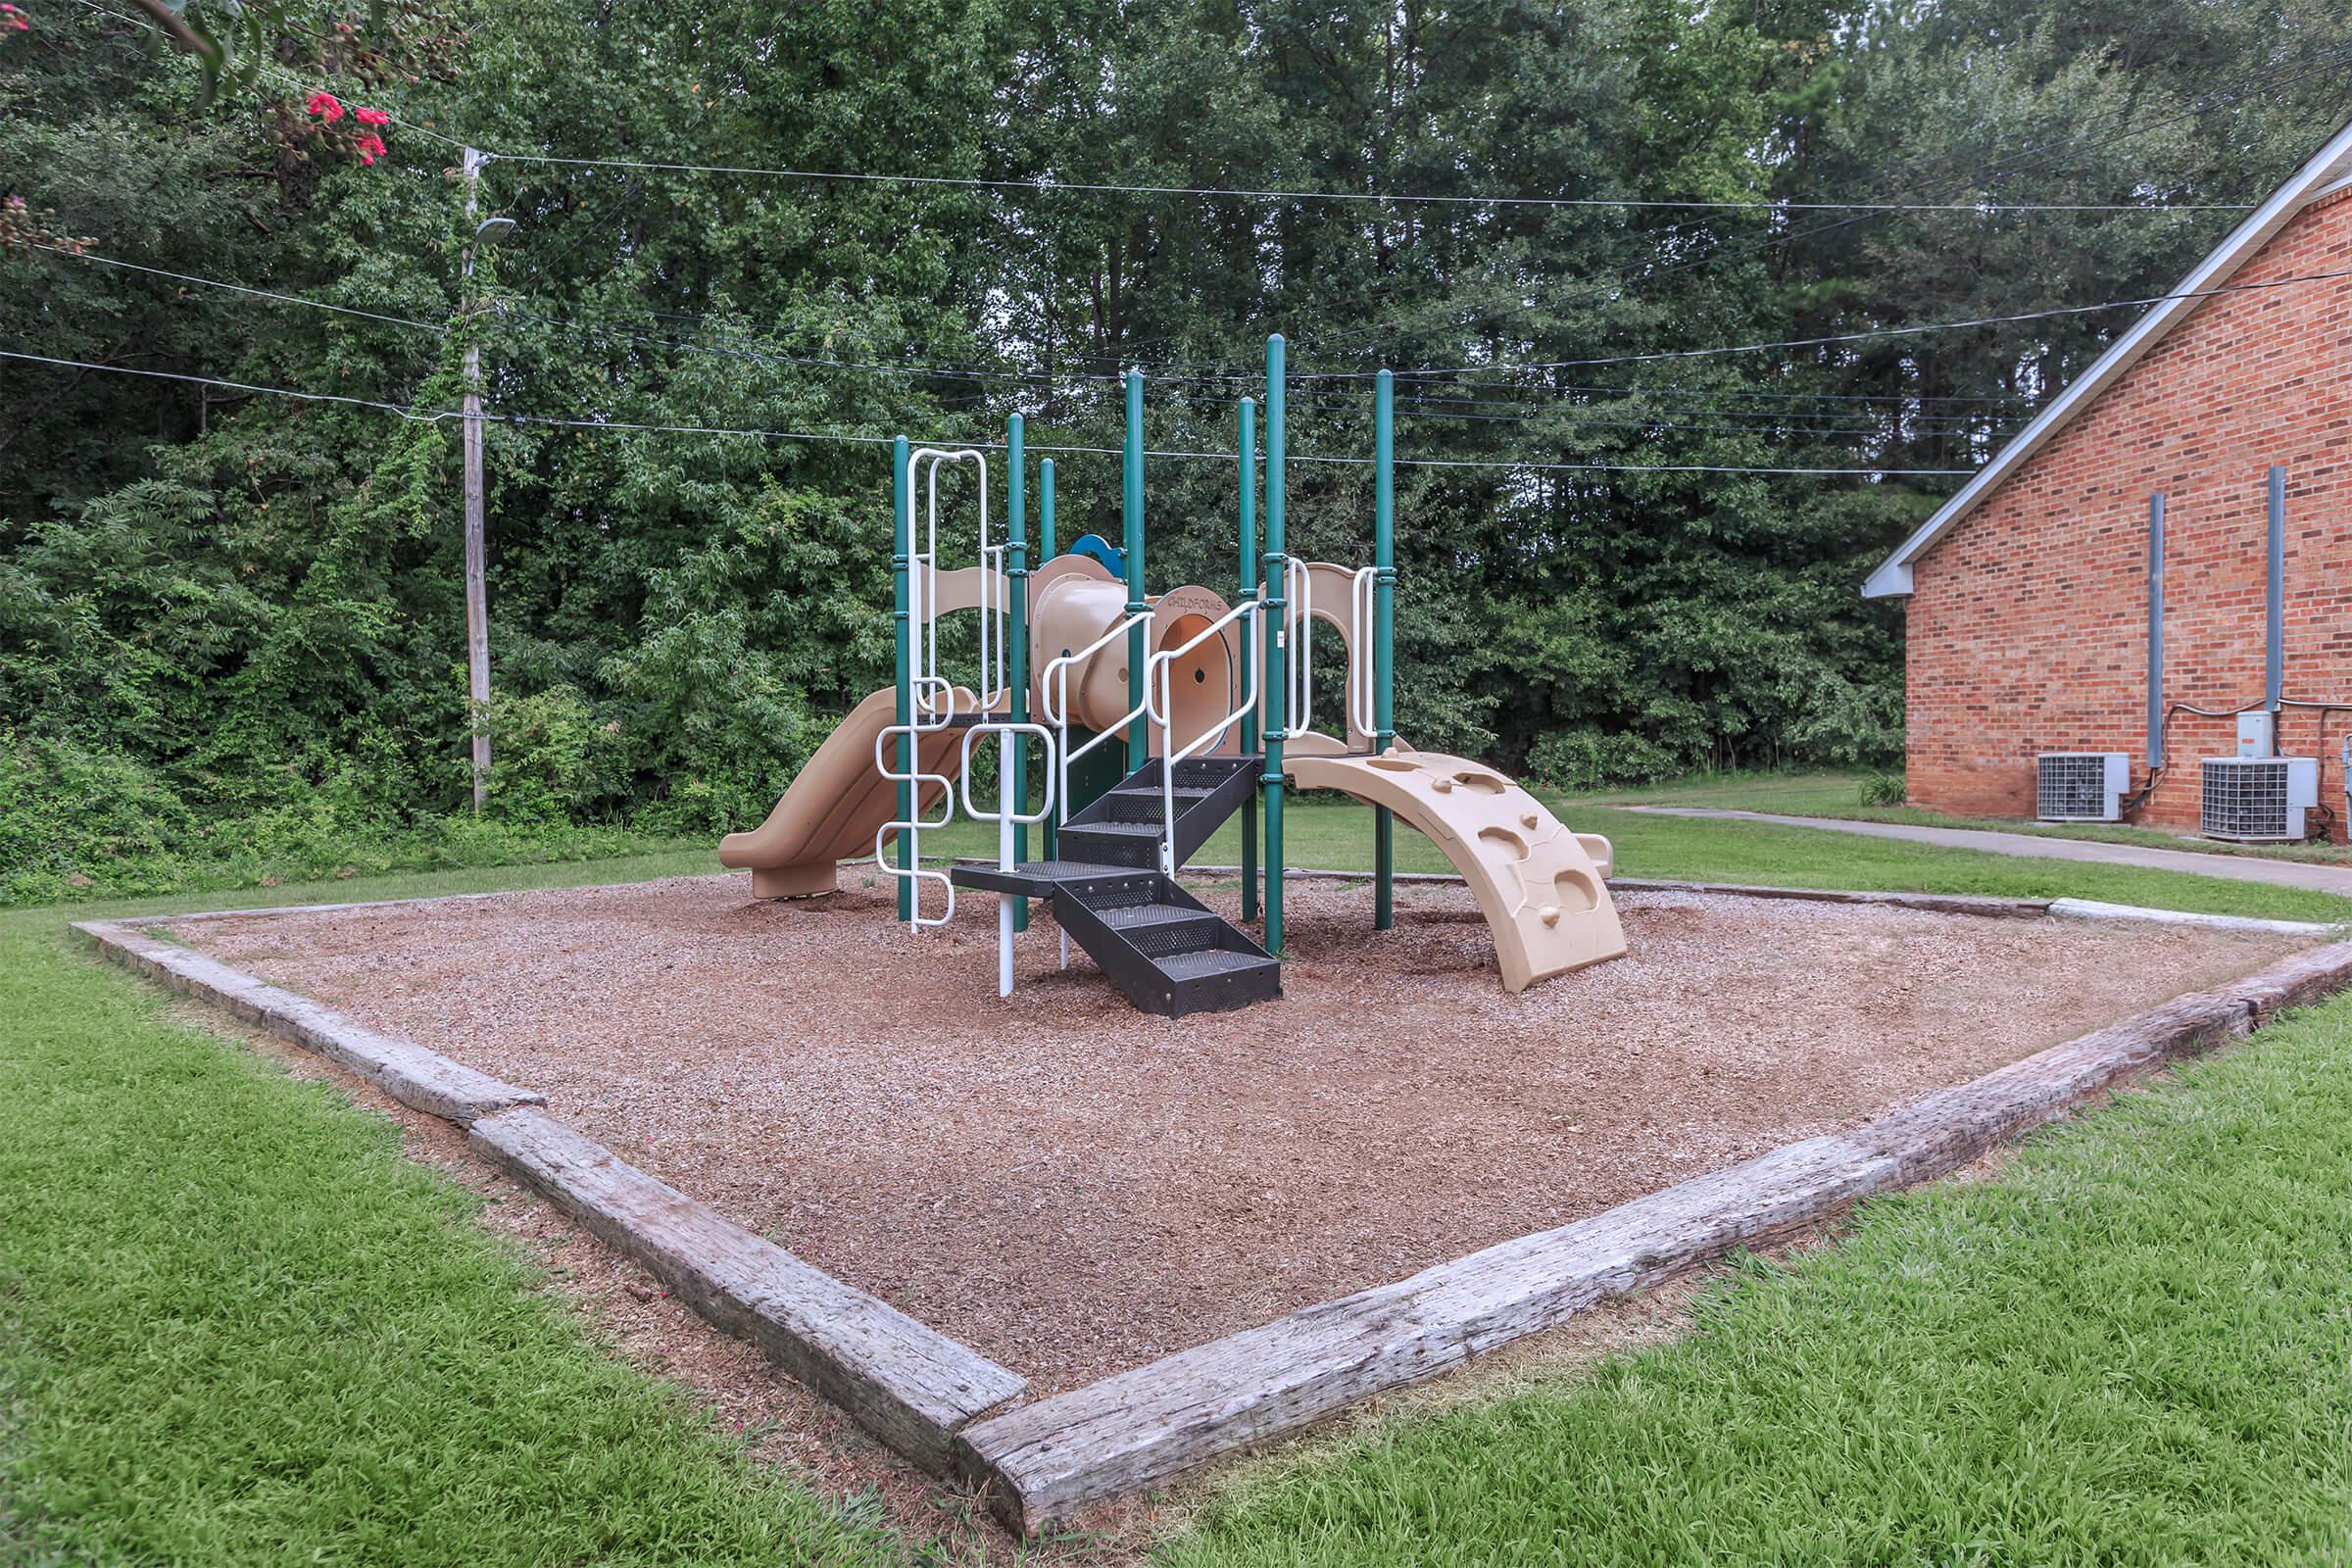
[{"x": 2031, "y": 591}]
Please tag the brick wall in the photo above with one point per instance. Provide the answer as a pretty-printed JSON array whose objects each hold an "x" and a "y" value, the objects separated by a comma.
[{"x": 2027, "y": 622}]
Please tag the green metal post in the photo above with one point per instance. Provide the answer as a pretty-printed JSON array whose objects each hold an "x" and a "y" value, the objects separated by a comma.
[
  {"x": 1014, "y": 752},
  {"x": 1249, "y": 582},
  {"x": 1044, "y": 512},
  {"x": 901, "y": 504},
  {"x": 1131, "y": 515},
  {"x": 1277, "y": 636},
  {"x": 1384, "y": 619},
  {"x": 1044, "y": 551}
]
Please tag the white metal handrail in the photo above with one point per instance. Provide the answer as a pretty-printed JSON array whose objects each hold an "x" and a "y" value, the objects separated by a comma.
[
  {"x": 913, "y": 830},
  {"x": 1005, "y": 818},
  {"x": 1211, "y": 736},
  {"x": 928, "y": 712},
  {"x": 1298, "y": 651},
  {"x": 1056, "y": 698},
  {"x": 1360, "y": 600}
]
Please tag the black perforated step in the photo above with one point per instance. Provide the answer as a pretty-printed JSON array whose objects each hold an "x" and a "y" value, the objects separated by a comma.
[
  {"x": 1169, "y": 953},
  {"x": 1126, "y": 823}
]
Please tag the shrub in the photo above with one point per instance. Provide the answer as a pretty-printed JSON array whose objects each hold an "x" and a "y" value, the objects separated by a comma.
[
  {"x": 1884, "y": 789},
  {"x": 69, "y": 815},
  {"x": 550, "y": 755}
]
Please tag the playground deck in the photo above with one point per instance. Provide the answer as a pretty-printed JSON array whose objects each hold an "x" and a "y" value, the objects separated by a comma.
[{"x": 1073, "y": 1188}]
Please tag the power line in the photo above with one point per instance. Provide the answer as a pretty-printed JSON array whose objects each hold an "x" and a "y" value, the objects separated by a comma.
[
  {"x": 493, "y": 417},
  {"x": 1435, "y": 407},
  {"x": 1762, "y": 422},
  {"x": 926, "y": 371},
  {"x": 238, "y": 288},
  {"x": 432, "y": 418},
  {"x": 1046, "y": 185},
  {"x": 1861, "y": 208}
]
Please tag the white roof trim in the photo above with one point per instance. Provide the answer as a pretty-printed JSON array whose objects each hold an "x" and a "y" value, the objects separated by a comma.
[{"x": 2323, "y": 172}]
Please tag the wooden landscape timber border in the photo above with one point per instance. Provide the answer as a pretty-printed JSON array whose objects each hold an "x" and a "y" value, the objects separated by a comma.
[
  {"x": 1045, "y": 1463},
  {"x": 908, "y": 1385},
  {"x": 420, "y": 1079}
]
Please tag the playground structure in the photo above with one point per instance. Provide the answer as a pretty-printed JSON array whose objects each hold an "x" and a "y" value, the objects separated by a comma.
[{"x": 1156, "y": 718}]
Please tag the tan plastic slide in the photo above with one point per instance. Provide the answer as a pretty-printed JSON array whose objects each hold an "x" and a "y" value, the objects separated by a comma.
[
  {"x": 1538, "y": 885},
  {"x": 838, "y": 801}
]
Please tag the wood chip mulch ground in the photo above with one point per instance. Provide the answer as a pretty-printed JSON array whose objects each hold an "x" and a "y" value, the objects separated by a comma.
[{"x": 1073, "y": 1186}]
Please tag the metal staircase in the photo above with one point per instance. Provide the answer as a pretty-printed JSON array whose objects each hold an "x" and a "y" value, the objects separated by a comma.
[{"x": 1165, "y": 949}]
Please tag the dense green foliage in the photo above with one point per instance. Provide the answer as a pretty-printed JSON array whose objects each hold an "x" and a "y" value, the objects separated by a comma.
[
  {"x": 219, "y": 604},
  {"x": 2129, "y": 1347},
  {"x": 238, "y": 1325}
]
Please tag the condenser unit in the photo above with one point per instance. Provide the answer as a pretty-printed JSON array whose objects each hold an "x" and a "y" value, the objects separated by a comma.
[
  {"x": 2258, "y": 798},
  {"x": 2081, "y": 786}
]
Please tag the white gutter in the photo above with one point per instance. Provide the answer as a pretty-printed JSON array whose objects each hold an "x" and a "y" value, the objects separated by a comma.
[{"x": 2318, "y": 176}]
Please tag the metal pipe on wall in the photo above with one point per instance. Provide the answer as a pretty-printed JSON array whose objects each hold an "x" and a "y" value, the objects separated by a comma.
[
  {"x": 2273, "y": 681},
  {"x": 2155, "y": 631}
]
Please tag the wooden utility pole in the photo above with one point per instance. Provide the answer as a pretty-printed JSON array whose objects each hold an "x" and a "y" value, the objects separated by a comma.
[{"x": 477, "y": 598}]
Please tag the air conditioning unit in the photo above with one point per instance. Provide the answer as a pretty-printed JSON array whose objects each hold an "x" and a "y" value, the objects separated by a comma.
[
  {"x": 2081, "y": 786},
  {"x": 2258, "y": 798}
]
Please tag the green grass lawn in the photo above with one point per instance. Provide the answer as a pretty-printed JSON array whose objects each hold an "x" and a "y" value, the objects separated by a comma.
[
  {"x": 238, "y": 1325},
  {"x": 1839, "y": 794},
  {"x": 2134, "y": 1346}
]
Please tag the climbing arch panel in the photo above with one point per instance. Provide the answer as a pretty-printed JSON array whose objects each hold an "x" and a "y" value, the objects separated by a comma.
[{"x": 1540, "y": 886}]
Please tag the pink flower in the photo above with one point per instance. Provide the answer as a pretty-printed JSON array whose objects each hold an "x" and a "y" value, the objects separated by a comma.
[
  {"x": 371, "y": 116},
  {"x": 370, "y": 147},
  {"x": 325, "y": 106}
]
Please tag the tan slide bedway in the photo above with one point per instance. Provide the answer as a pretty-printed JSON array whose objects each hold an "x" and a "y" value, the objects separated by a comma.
[{"x": 839, "y": 801}]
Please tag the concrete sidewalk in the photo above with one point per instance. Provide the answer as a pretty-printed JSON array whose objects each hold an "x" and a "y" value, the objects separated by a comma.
[{"x": 2236, "y": 867}]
